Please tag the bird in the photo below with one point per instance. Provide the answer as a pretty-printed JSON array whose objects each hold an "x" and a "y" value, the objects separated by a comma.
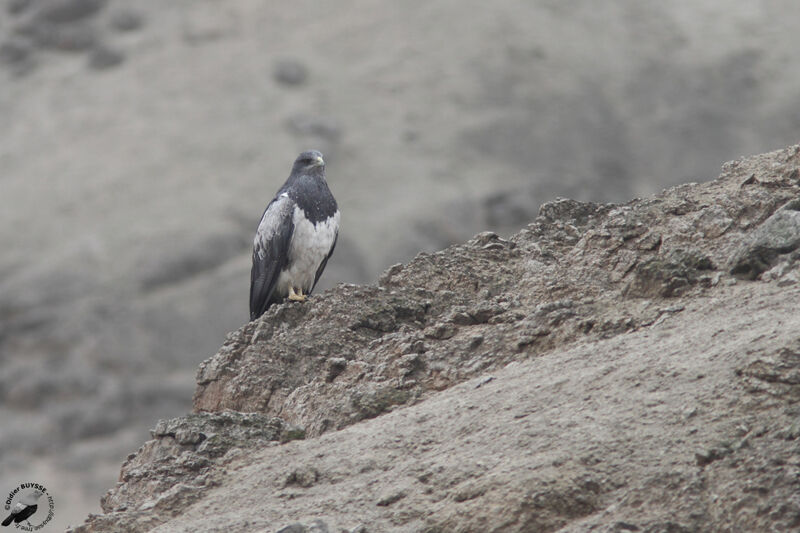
[
  {"x": 295, "y": 237},
  {"x": 24, "y": 508}
]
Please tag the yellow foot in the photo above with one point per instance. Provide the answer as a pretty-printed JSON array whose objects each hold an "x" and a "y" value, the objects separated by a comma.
[{"x": 296, "y": 296}]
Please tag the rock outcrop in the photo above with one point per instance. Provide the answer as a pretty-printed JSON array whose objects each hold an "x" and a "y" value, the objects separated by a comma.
[
  {"x": 626, "y": 367},
  {"x": 140, "y": 142}
]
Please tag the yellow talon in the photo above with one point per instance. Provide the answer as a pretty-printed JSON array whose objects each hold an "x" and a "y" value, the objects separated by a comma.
[{"x": 296, "y": 296}]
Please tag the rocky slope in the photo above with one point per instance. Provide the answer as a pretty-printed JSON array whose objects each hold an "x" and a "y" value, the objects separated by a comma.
[
  {"x": 626, "y": 367},
  {"x": 140, "y": 141}
]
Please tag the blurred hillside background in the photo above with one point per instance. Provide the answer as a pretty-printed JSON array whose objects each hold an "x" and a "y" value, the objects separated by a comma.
[{"x": 140, "y": 142}]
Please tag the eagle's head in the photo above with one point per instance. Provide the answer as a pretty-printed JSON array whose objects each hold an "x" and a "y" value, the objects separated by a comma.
[{"x": 309, "y": 162}]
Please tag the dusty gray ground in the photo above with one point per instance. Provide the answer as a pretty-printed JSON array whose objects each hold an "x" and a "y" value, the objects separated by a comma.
[{"x": 139, "y": 144}]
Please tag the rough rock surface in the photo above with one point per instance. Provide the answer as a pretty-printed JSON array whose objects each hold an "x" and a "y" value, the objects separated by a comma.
[
  {"x": 610, "y": 367},
  {"x": 178, "y": 465}
]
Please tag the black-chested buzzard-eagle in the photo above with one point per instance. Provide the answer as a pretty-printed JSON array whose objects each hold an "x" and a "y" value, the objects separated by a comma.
[{"x": 295, "y": 238}]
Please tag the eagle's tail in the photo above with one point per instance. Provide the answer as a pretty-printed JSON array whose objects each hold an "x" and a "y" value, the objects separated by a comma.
[{"x": 8, "y": 520}]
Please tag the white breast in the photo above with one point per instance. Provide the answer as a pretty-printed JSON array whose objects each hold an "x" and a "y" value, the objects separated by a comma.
[{"x": 309, "y": 246}]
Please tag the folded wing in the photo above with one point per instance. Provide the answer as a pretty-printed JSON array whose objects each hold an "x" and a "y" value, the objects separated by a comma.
[
  {"x": 324, "y": 262},
  {"x": 270, "y": 253}
]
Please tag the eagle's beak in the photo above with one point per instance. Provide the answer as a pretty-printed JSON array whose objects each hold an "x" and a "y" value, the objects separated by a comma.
[{"x": 319, "y": 162}]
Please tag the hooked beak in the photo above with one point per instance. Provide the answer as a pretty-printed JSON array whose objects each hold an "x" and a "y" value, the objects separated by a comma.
[{"x": 319, "y": 162}]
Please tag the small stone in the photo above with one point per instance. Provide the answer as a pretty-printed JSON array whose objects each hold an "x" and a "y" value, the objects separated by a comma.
[
  {"x": 232, "y": 454},
  {"x": 483, "y": 381},
  {"x": 575, "y": 212},
  {"x": 462, "y": 318},
  {"x": 290, "y": 72},
  {"x": 485, "y": 238},
  {"x": 475, "y": 341},
  {"x": 292, "y": 433},
  {"x": 318, "y": 526},
  {"x": 389, "y": 273},
  {"x": 651, "y": 241},
  {"x": 189, "y": 436},
  {"x": 302, "y": 477},
  {"x": 710, "y": 455},
  {"x": 484, "y": 311},
  {"x": 390, "y": 498},
  {"x": 147, "y": 505},
  {"x": 410, "y": 363},
  {"x": 336, "y": 365},
  {"x": 469, "y": 492},
  {"x": 789, "y": 433},
  {"x": 441, "y": 331},
  {"x": 779, "y": 234}
]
